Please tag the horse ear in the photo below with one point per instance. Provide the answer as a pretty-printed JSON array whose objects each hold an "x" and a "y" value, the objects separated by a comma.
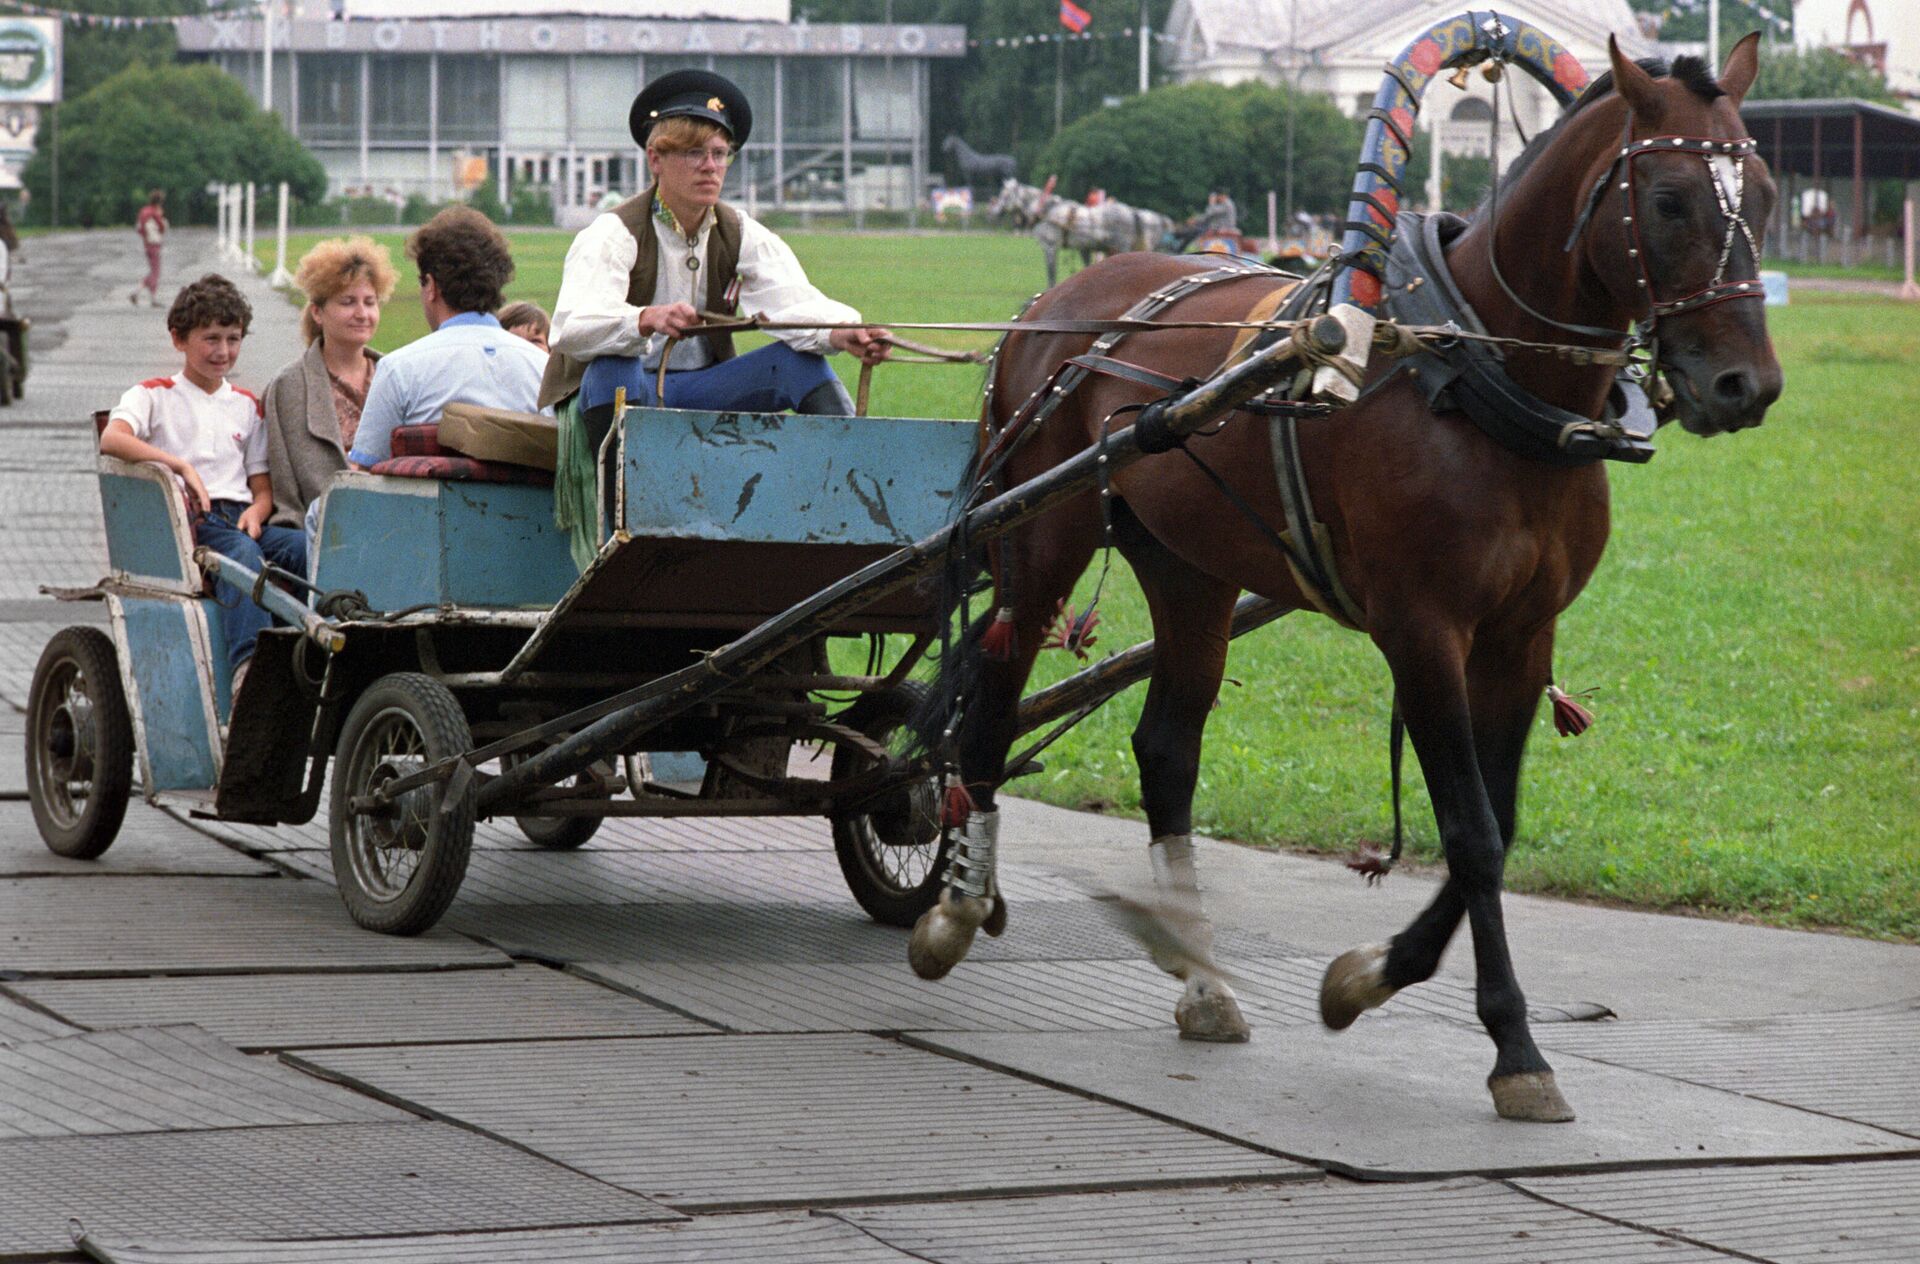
[
  {"x": 1634, "y": 85},
  {"x": 1047, "y": 189},
  {"x": 1743, "y": 66}
]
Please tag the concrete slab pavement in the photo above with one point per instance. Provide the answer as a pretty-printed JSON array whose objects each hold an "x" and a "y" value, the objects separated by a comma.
[{"x": 727, "y": 1034}]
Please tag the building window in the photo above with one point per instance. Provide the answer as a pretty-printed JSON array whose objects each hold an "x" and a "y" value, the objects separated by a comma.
[
  {"x": 469, "y": 100},
  {"x": 1471, "y": 110},
  {"x": 329, "y": 97},
  {"x": 1361, "y": 104},
  {"x": 882, "y": 104},
  {"x": 814, "y": 92},
  {"x": 397, "y": 105}
]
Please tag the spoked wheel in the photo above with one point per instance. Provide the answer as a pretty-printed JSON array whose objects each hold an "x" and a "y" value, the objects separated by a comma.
[
  {"x": 399, "y": 868},
  {"x": 79, "y": 744},
  {"x": 890, "y": 850},
  {"x": 557, "y": 833}
]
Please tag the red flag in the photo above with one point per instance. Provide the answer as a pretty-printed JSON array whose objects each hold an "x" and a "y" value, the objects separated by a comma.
[{"x": 1073, "y": 17}]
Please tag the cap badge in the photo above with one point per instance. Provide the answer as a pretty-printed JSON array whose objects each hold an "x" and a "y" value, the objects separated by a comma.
[{"x": 714, "y": 103}]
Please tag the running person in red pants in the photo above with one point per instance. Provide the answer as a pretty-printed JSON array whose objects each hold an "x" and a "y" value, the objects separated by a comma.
[{"x": 151, "y": 225}]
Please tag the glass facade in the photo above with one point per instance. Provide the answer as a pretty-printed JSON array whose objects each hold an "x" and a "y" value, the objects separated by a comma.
[
  {"x": 469, "y": 100},
  {"x": 329, "y": 98},
  {"x": 397, "y": 98}
]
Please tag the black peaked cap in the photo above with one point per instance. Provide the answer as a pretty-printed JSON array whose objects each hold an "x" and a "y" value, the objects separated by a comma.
[{"x": 691, "y": 94}]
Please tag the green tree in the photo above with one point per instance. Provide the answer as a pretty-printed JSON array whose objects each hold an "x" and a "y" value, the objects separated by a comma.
[
  {"x": 1816, "y": 74},
  {"x": 176, "y": 128},
  {"x": 1167, "y": 149}
]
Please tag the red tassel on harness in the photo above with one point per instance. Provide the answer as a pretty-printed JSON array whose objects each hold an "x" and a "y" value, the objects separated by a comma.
[
  {"x": 1570, "y": 719},
  {"x": 1072, "y": 632},
  {"x": 998, "y": 641},
  {"x": 1370, "y": 863},
  {"x": 956, "y": 805}
]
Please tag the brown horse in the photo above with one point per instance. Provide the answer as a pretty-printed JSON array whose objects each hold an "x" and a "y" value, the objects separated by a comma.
[{"x": 1458, "y": 554}]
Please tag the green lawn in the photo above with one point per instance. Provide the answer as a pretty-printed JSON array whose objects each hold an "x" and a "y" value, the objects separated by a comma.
[{"x": 1752, "y": 632}]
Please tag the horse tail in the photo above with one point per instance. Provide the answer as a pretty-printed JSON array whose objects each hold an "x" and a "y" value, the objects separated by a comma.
[{"x": 968, "y": 570}]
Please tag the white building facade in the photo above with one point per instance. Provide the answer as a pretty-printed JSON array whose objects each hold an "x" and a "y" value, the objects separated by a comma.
[
  {"x": 412, "y": 97},
  {"x": 1337, "y": 48}
]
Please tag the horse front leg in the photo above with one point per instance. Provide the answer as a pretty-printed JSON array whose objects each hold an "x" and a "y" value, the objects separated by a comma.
[
  {"x": 1505, "y": 679},
  {"x": 1430, "y": 676}
]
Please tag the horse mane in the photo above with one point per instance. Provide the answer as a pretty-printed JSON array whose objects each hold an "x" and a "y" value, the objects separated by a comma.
[{"x": 1691, "y": 71}]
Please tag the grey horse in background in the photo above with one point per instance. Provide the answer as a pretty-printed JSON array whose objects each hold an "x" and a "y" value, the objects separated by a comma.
[
  {"x": 978, "y": 170},
  {"x": 1110, "y": 228}
]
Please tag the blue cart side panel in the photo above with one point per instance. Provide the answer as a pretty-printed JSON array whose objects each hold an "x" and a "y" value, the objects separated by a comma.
[
  {"x": 163, "y": 645},
  {"x": 500, "y": 547},
  {"x": 409, "y": 541},
  {"x": 147, "y": 536},
  {"x": 791, "y": 479}
]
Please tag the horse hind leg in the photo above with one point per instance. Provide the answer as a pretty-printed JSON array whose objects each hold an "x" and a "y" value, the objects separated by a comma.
[
  {"x": 970, "y": 899},
  {"x": 1192, "y": 613}
]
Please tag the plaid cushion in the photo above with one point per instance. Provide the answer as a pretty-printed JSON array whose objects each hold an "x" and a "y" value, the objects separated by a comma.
[
  {"x": 460, "y": 469},
  {"x": 418, "y": 441}
]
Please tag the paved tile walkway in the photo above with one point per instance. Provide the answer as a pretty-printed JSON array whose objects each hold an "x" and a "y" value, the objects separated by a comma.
[{"x": 684, "y": 1042}]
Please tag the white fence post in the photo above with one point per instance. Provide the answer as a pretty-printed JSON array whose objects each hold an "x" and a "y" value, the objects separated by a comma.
[
  {"x": 220, "y": 219},
  {"x": 253, "y": 264},
  {"x": 280, "y": 278}
]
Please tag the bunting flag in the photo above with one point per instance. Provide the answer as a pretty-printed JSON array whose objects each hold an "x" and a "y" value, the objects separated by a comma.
[{"x": 1073, "y": 17}]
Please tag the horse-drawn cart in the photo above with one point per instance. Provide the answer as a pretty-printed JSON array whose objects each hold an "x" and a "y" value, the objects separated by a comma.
[{"x": 449, "y": 661}]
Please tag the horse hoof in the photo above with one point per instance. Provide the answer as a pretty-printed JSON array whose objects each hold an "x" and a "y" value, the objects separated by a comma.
[
  {"x": 1354, "y": 984},
  {"x": 944, "y": 933},
  {"x": 1530, "y": 1097},
  {"x": 1209, "y": 1011}
]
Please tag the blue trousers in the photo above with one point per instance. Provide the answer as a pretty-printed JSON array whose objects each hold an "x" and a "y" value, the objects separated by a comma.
[
  {"x": 286, "y": 547},
  {"x": 769, "y": 379}
]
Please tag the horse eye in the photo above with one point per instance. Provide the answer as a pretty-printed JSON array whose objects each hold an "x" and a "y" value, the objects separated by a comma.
[{"x": 1669, "y": 205}]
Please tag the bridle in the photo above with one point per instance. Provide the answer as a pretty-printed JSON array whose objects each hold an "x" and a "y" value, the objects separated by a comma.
[{"x": 1643, "y": 339}]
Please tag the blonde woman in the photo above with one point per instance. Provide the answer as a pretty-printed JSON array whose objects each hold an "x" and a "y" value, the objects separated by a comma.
[{"x": 313, "y": 406}]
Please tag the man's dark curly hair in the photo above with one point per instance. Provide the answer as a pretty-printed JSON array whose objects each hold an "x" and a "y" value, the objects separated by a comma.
[
  {"x": 469, "y": 258},
  {"x": 212, "y": 300}
]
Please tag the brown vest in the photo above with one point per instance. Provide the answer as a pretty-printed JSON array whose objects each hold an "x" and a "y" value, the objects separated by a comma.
[{"x": 723, "y": 258}]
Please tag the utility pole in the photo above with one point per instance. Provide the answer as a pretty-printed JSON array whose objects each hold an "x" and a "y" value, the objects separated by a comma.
[
  {"x": 1059, "y": 81},
  {"x": 266, "y": 55},
  {"x": 1713, "y": 36},
  {"x": 1146, "y": 37},
  {"x": 1293, "y": 95}
]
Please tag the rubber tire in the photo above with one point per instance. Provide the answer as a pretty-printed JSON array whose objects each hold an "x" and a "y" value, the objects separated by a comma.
[
  {"x": 97, "y": 824},
  {"x": 879, "y": 716},
  {"x": 561, "y": 833},
  {"x": 436, "y": 715}
]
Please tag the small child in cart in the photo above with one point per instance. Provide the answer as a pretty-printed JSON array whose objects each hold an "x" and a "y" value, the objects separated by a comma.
[{"x": 211, "y": 435}]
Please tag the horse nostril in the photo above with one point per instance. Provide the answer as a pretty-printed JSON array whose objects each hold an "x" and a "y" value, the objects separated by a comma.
[{"x": 1735, "y": 389}]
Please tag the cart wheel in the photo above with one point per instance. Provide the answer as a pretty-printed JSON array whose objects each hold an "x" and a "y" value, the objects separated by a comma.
[
  {"x": 79, "y": 744},
  {"x": 399, "y": 869},
  {"x": 891, "y": 851},
  {"x": 556, "y": 833}
]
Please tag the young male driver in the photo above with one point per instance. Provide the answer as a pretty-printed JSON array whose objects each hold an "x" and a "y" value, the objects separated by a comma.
[{"x": 647, "y": 270}]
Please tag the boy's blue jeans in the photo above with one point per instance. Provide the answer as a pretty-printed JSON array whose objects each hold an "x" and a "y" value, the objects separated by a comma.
[{"x": 240, "y": 619}]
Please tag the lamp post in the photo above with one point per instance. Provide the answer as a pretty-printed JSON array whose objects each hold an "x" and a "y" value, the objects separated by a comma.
[{"x": 266, "y": 55}]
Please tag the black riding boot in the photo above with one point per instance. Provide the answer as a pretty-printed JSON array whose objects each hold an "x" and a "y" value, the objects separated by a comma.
[{"x": 829, "y": 399}]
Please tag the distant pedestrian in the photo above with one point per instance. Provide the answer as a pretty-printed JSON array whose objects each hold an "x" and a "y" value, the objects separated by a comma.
[
  {"x": 151, "y": 225},
  {"x": 526, "y": 320}
]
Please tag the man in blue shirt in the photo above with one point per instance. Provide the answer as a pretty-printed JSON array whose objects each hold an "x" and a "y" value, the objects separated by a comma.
[{"x": 464, "y": 265}]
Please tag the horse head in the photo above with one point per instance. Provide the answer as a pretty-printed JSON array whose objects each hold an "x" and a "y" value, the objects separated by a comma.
[
  {"x": 952, "y": 143},
  {"x": 1688, "y": 202},
  {"x": 1665, "y": 235}
]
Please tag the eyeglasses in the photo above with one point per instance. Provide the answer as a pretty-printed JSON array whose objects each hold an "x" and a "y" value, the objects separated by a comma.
[{"x": 700, "y": 157}]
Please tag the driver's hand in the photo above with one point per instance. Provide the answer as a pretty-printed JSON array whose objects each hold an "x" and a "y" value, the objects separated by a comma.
[
  {"x": 671, "y": 319},
  {"x": 870, "y": 345}
]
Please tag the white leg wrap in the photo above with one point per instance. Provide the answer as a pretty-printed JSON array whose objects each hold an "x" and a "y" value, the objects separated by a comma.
[
  {"x": 971, "y": 871},
  {"x": 1208, "y": 1010}
]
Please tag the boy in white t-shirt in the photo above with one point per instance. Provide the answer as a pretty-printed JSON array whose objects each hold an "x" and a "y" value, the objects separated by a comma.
[{"x": 210, "y": 434}]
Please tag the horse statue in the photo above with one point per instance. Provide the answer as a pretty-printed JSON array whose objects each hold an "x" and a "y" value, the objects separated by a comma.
[
  {"x": 1112, "y": 227},
  {"x": 1451, "y": 533},
  {"x": 978, "y": 170}
]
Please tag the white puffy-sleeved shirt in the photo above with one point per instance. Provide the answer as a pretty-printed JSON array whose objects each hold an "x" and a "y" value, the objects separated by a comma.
[
  {"x": 220, "y": 433},
  {"x": 592, "y": 317}
]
